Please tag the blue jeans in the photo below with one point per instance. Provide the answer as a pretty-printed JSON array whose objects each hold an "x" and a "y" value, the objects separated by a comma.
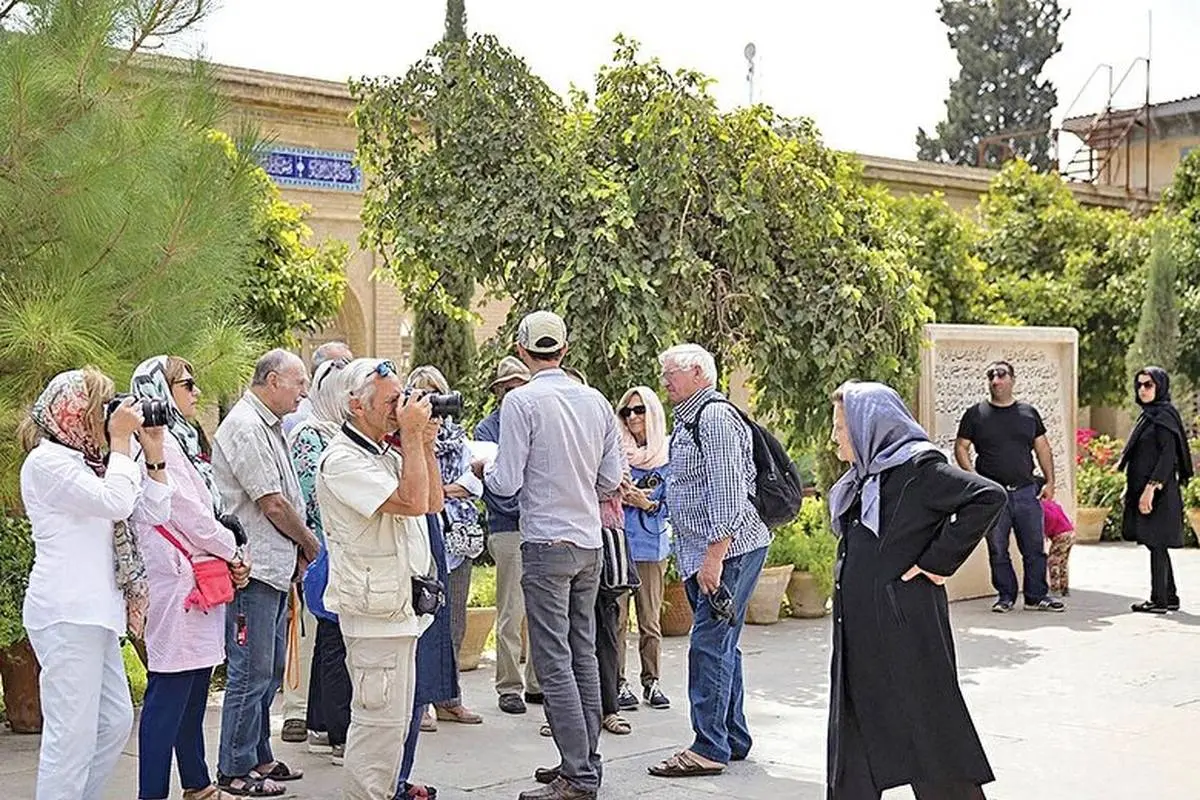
[
  {"x": 715, "y": 688},
  {"x": 1023, "y": 516},
  {"x": 173, "y": 721},
  {"x": 410, "y": 746},
  {"x": 254, "y": 673}
]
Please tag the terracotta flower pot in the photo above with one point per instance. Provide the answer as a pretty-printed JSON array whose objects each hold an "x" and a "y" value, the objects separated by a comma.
[
  {"x": 1089, "y": 524},
  {"x": 805, "y": 598},
  {"x": 480, "y": 622},
  {"x": 676, "y": 615},
  {"x": 768, "y": 595},
  {"x": 19, "y": 670}
]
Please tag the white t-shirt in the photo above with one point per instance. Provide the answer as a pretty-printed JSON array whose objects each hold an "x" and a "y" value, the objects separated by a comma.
[
  {"x": 72, "y": 511},
  {"x": 372, "y": 555}
]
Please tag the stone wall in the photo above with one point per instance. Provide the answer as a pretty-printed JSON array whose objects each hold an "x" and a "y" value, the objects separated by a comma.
[{"x": 1045, "y": 360}]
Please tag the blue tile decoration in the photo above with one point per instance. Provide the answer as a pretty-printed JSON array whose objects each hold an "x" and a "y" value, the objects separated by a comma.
[{"x": 313, "y": 169}]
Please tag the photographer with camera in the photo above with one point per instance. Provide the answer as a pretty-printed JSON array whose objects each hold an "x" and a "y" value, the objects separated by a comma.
[
  {"x": 257, "y": 483},
  {"x": 193, "y": 562},
  {"x": 88, "y": 584},
  {"x": 374, "y": 496},
  {"x": 460, "y": 530}
]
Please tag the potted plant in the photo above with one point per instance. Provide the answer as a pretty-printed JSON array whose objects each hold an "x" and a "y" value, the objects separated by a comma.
[
  {"x": 813, "y": 551},
  {"x": 1098, "y": 484},
  {"x": 766, "y": 601},
  {"x": 1191, "y": 501},
  {"x": 676, "y": 615},
  {"x": 481, "y": 617},
  {"x": 19, "y": 668}
]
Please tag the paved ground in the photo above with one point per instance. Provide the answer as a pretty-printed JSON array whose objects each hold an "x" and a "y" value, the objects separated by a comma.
[{"x": 1093, "y": 704}]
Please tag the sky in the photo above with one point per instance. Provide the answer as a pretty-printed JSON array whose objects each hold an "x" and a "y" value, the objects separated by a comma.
[{"x": 868, "y": 71}]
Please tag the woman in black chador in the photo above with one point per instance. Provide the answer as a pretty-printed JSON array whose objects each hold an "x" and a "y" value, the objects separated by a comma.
[
  {"x": 907, "y": 521},
  {"x": 1156, "y": 461}
]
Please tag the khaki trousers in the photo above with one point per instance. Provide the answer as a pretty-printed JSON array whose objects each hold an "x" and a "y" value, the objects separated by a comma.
[
  {"x": 648, "y": 601},
  {"x": 383, "y": 675},
  {"x": 510, "y": 614}
]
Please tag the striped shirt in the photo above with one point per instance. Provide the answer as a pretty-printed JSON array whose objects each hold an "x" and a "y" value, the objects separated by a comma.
[{"x": 709, "y": 487}]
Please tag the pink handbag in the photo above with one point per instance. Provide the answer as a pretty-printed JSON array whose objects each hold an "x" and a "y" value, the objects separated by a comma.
[
  {"x": 214, "y": 584},
  {"x": 1057, "y": 522}
]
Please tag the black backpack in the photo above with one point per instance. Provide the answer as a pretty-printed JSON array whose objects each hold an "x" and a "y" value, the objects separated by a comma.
[{"x": 778, "y": 488}]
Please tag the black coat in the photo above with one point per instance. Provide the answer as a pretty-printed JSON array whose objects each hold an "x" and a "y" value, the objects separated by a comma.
[
  {"x": 1153, "y": 455},
  {"x": 896, "y": 712}
]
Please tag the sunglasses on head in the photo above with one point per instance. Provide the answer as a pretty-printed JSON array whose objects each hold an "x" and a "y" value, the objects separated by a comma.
[
  {"x": 187, "y": 383},
  {"x": 339, "y": 364},
  {"x": 992, "y": 374},
  {"x": 385, "y": 368},
  {"x": 1145, "y": 384},
  {"x": 629, "y": 411}
]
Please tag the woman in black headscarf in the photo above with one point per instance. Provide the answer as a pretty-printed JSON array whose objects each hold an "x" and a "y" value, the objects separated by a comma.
[{"x": 1156, "y": 461}]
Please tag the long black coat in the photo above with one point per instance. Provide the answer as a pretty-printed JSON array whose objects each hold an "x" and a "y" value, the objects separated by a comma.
[
  {"x": 1153, "y": 455},
  {"x": 896, "y": 712}
]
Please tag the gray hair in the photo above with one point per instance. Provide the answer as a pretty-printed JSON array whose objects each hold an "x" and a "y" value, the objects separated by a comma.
[
  {"x": 276, "y": 361},
  {"x": 360, "y": 380},
  {"x": 686, "y": 356},
  {"x": 330, "y": 351}
]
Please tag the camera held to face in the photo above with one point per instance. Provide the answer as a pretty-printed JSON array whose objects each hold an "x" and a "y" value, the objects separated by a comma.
[
  {"x": 155, "y": 413},
  {"x": 449, "y": 404}
]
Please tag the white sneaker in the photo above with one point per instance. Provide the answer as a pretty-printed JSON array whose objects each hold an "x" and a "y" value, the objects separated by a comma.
[
  {"x": 318, "y": 742},
  {"x": 338, "y": 754}
]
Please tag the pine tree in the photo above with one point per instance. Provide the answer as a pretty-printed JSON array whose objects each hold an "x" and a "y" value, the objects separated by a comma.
[
  {"x": 446, "y": 342},
  {"x": 1001, "y": 46},
  {"x": 1157, "y": 340}
]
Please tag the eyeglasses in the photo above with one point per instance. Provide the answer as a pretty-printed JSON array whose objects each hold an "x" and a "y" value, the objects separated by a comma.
[
  {"x": 187, "y": 383},
  {"x": 629, "y": 411},
  {"x": 721, "y": 602},
  {"x": 1145, "y": 384},
  {"x": 992, "y": 374}
]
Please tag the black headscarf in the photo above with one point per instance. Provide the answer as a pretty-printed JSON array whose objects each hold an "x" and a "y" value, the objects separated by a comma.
[{"x": 1162, "y": 413}]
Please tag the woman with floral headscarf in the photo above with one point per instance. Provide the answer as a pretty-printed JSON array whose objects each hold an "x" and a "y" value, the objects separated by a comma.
[
  {"x": 907, "y": 521},
  {"x": 642, "y": 424},
  {"x": 184, "y": 641},
  {"x": 88, "y": 584}
]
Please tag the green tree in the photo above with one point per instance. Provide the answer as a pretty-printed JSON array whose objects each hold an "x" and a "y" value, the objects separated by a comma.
[
  {"x": 647, "y": 217},
  {"x": 1001, "y": 47},
  {"x": 456, "y": 21},
  {"x": 1157, "y": 340},
  {"x": 1182, "y": 199}
]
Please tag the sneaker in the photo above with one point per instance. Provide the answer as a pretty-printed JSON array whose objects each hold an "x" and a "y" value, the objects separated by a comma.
[
  {"x": 654, "y": 697},
  {"x": 318, "y": 742},
  {"x": 1149, "y": 608},
  {"x": 626, "y": 699},
  {"x": 295, "y": 730},
  {"x": 1002, "y": 606},
  {"x": 1173, "y": 605},
  {"x": 512, "y": 704},
  {"x": 337, "y": 754},
  {"x": 1046, "y": 604}
]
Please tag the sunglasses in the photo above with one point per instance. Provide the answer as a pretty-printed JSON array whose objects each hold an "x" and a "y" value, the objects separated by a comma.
[
  {"x": 629, "y": 411},
  {"x": 187, "y": 383},
  {"x": 721, "y": 602},
  {"x": 992, "y": 374},
  {"x": 385, "y": 368},
  {"x": 1145, "y": 384}
]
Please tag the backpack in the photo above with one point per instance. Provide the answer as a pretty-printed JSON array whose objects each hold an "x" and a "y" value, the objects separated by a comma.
[{"x": 779, "y": 491}]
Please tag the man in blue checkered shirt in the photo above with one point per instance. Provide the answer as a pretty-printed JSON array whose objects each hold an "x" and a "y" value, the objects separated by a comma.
[{"x": 721, "y": 545}]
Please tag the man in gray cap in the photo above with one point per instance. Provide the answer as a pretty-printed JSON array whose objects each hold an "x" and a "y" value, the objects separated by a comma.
[
  {"x": 559, "y": 448},
  {"x": 504, "y": 543}
]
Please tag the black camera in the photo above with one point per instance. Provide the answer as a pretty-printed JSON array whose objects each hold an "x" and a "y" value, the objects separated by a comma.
[
  {"x": 449, "y": 404},
  {"x": 649, "y": 481},
  {"x": 155, "y": 413}
]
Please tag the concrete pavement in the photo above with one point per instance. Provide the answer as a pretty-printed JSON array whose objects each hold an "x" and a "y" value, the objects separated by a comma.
[{"x": 1094, "y": 704}]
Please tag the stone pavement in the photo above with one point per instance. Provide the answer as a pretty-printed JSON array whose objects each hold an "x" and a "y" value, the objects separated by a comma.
[{"x": 1093, "y": 704}]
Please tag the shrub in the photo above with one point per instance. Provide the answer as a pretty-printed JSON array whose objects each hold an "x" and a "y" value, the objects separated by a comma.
[
  {"x": 808, "y": 544},
  {"x": 483, "y": 588}
]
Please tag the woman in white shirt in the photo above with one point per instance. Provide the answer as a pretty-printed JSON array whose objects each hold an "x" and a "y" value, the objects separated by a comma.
[{"x": 88, "y": 583}]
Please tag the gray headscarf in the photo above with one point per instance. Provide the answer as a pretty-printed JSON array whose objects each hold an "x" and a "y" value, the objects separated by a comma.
[{"x": 884, "y": 435}]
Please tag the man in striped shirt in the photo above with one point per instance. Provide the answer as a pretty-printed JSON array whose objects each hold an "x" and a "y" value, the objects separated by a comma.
[{"x": 721, "y": 545}]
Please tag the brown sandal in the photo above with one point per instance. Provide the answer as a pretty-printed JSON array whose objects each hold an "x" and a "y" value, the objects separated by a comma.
[
  {"x": 683, "y": 765},
  {"x": 616, "y": 724},
  {"x": 210, "y": 792}
]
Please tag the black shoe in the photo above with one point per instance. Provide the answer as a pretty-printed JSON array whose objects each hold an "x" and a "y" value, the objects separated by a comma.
[
  {"x": 1002, "y": 606},
  {"x": 545, "y": 774},
  {"x": 512, "y": 704},
  {"x": 654, "y": 696},
  {"x": 1046, "y": 604},
  {"x": 294, "y": 730},
  {"x": 1173, "y": 605},
  {"x": 1148, "y": 608},
  {"x": 626, "y": 699},
  {"x": 535, "y": 698},
  {"x": 558, "y": 790}
]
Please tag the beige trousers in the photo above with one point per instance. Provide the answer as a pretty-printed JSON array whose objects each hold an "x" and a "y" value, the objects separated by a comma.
[
  {"x": 510, "y": 614},
  {"x": 383, "y": 677},
  {"x": 648, "y": 601}
]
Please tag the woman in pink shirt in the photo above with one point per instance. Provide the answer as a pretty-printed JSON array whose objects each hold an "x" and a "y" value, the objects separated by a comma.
[{"x": 183, "y": 643}]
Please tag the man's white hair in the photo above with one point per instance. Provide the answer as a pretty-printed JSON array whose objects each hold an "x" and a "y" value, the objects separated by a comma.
[
  {"x": 686, "y": 356},
  {"x": 361, "y": 381}
]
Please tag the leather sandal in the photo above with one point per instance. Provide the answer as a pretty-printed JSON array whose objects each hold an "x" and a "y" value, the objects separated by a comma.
[{"x": 683, "y": 764}]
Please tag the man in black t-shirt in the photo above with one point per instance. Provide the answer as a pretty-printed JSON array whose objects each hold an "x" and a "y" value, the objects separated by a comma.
[{"x": 1005, "y": 434}]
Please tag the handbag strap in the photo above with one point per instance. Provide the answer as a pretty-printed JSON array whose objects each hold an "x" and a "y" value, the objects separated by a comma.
[{"x": 170, "y": 538}]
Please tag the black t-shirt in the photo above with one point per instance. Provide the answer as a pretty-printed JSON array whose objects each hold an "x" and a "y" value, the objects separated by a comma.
[{"x": 1003, "y": 440}]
